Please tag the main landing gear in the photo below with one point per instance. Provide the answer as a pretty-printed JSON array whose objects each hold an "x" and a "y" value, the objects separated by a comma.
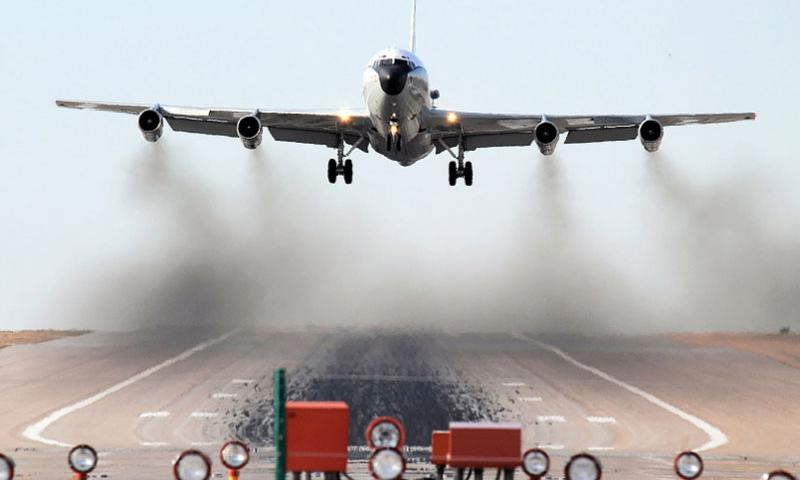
[
  {"x": 341, "y": 166},
  {"x": 459, "y": 168}
]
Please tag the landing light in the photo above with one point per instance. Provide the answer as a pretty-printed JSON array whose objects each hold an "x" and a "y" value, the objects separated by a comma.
[
  {"x": 452, "y": 118},
  {"x": 385, "y": 432},
  {"x": 192, "y": 465},
  {"x": 82, "y": 459},
  {"x": 344, "y": 117},
  {"x": 583, "y": 467},
  {"x": 6, "y": 468},
  {"x": 393, "y": 129},
  {"x": 536, "y": 462},
  {"x": 688, "y": 465},
  {"x": 386, "y": 464},
  {"x": 234, "y": 455}
]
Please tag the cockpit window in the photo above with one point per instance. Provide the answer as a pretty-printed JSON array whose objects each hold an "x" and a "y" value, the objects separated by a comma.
[{"x": 394, "y": 61}]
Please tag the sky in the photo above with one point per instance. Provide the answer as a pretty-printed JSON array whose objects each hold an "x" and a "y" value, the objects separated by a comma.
[{"x": 103, "y": 230}]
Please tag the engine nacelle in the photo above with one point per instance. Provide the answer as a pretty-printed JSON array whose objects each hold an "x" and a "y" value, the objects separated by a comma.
[
  {"x": 151, "y": 124},
  {"x": 250, "y": 132},
  {"x": 546, "y": 136},
  {"x": 650, "y": 133}
]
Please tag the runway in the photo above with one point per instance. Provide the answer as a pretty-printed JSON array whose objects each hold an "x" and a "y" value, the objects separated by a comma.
[{"x": 140, "y": 397}]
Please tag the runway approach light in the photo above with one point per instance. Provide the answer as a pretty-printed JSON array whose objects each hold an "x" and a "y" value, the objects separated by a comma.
[
  {"x": 6, "y": 468},
  {"x": 385, "y": 432},
  {"x": 234, "y": 455},
  {"x": 536, "y": 463},
  {"x": 780, "y": 475},
  {"x": 688, "y": 465},
  {"x": 387, "y": 464},
  {"x": 192, "y": 465},
  {"x": 583, "y": 467},
  {"x": 82, "y": 460}
]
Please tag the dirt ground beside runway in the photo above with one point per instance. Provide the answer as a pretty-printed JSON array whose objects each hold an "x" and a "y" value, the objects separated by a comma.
[
  {"x": 23, "y": 337},
  {"x": 783, "y": 348}
]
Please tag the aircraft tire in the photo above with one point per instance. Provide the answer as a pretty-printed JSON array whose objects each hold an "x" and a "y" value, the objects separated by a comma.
[
  {"x": 332, "y": 171},
  {"x": 468, "y": 174},
  {"x": 348, "y": 171}
]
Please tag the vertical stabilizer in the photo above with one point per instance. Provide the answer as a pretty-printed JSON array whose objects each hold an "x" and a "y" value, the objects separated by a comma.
[{"x": 412, "y": 42}]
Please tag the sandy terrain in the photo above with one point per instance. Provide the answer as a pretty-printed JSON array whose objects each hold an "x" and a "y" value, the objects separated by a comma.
[
  {"x": 21, "y": 337},
  {"x": 782, "y": 348},
  {"x": 141, "y": 397}
]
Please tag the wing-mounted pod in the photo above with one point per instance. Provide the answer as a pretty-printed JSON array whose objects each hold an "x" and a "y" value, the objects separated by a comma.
[
  {"x": 650, "y": 133},
  {"x": 250, "y": 131},
  {"x": 546, "y": 136},
  {"x": 151, "y": 124}
]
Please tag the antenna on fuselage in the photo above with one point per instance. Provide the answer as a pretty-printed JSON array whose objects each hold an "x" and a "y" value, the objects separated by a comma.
[{"x": 412, "y": 42}]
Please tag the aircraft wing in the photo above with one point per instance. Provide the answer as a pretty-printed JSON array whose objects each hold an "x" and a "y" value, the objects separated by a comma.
[
  {"x": 481, "y": 130},
  {"x": 320, "y": 128}
]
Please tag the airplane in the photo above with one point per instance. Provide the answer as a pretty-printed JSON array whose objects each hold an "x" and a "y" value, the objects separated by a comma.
[{"x": 402, "y": 122}]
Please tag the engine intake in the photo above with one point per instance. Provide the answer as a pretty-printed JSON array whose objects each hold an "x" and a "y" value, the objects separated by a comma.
[
  {"x": 151, "y": 124},
  {"x": 650, "y": 133},
  {"x": 546, "y": 136},
  {"x": 250, "y": 132}
]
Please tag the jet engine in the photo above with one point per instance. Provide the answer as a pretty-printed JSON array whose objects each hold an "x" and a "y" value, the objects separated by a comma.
[
  {"x": 249, "y": 130},
  {"x": 546, "y": 136},
  {"x": 151, "y": 124},
  {"x": 650, "y": 133}
]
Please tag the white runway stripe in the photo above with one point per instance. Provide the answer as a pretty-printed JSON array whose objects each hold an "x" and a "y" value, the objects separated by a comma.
[
  {"x": 552, "y": 447},
  {"x": 551, "y": 418},
  {"x": 34, "y": 432},
  {"x": 530, "y": 399},
  {"x": 716, "y": 438},
  {"x": 204, "y": 414},
  {"x": 600, "y": 449},
  {"x": 220, "y": 395},
  {"x": 154, "y": 415},
  {"x": 601, "y": 419},
  {"x": 153, "y": 444},
  {"x": 513, "y": 384}
]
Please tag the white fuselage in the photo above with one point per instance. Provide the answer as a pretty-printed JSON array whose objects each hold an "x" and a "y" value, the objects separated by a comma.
[{"x": 397, "y": 95}]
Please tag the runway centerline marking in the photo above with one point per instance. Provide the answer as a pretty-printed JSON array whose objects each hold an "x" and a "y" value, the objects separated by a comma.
[
  {"x": 530, "y": 399},
  {"x": 551, "y": 418},
  {"x": 601, "y": 419},
  {"x": 154, "y": 444},
  {"x": 34, "y": 431},
  {"x": 716, "y": 438},
  {"x": 513, "y": 384},
  {"x": 154, "y": 415},
  {"x": 600, "y": 449}
]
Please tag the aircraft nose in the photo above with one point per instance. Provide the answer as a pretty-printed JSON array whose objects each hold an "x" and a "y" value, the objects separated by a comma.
[{"x": 393, "y": 77}]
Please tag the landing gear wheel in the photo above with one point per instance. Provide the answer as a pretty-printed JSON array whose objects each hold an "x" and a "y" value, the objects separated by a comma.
[
  {"x": 468, "y": 174},
  {"x": 332, "y": 171},
  {"x": 348, "y": 171},
  {"x": 452, "y": 174}
]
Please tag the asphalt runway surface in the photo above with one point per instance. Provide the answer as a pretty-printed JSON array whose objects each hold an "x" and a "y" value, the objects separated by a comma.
[{"x": 141, "y": 397}]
